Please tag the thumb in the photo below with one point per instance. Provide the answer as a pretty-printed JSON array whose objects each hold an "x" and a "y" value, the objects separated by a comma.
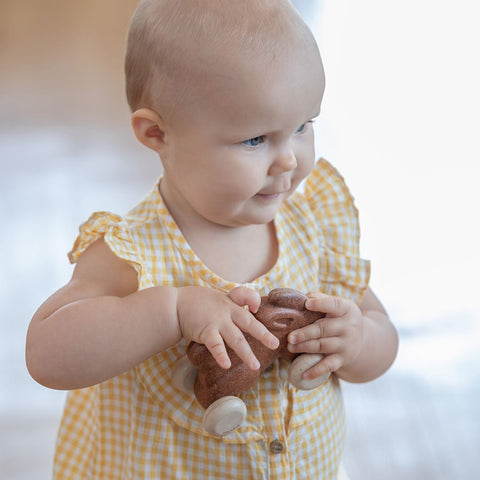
[{"x": 244, "y": 296}]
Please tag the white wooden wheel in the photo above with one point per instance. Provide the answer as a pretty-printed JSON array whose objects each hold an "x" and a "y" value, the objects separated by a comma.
[
  {"x": 183, "y": 375},
  {"x": 301, "y": 364},
  {"x": 224, "y": 415}
]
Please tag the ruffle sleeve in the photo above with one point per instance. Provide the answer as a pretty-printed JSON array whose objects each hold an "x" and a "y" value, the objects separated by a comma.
[
  {"x": 116, "y": 233},
  {"x": 342, "y": 271}
]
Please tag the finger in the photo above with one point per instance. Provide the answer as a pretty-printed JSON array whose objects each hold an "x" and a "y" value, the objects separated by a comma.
[
  {"x": 212, "y": 339},
  {"x": 245, "y": 296},
  {"x": 318, "y": 345},
  {"x": 329, "y": 364},
  {"x": 320, "y": 329},
  {"x": 235, "y": 339},
  {"x": 331, "y": 305},
  {"x": 249, "y": 324}
]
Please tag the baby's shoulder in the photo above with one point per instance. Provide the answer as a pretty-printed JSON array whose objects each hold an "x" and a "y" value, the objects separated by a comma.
[{"x": 104, "y": 272}]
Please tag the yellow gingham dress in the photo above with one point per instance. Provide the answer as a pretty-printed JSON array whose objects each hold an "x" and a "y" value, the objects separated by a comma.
[{"x": 138, "y": 426}]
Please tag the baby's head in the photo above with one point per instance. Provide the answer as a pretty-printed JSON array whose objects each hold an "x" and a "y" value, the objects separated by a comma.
[
  {"x": 177, "y": 48},
  {"x": 225, "y": 91}
]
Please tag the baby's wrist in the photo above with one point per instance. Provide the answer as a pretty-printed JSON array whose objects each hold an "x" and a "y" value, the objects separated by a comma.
[
  {"x": 160, "y": 310},
  {"x": 187, "y": 299}
]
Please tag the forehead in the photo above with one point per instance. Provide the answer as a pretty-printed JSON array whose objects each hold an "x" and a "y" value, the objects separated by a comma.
[{"x": 256, "y": 96}]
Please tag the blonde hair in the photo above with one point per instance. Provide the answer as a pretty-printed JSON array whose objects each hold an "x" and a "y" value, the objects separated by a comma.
[{"x": 173, "y": 42}]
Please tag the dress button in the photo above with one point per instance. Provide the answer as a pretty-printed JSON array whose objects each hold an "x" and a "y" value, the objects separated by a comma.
[{"x": 276, "y": 446}]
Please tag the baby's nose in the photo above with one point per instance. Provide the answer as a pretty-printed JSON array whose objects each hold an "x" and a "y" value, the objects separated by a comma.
[{"x": 285, "y": 161}]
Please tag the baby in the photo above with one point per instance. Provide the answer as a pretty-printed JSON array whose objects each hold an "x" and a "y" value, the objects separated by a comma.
[{"x": 225, "y": 92}]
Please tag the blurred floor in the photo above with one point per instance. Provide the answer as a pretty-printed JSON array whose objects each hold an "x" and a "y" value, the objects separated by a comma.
[{"x": 66, "y": 150}]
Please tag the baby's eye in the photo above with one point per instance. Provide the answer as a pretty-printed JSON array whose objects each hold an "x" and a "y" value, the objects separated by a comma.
[
  {"x": 254, "y": 142},
  {"x": 301, "y": 128}
]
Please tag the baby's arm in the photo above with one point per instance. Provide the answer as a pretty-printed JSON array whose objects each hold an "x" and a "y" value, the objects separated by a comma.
[
  {"x": 99, "y": 325},
  {"x": 359, "y": 342}
]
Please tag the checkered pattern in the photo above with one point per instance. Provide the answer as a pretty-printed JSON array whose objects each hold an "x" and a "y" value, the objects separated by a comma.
[{"x": 138, "y": 426}]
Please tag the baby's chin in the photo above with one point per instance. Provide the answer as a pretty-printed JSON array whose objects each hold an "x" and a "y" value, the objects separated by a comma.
[
  {"x": 258, "y": 210},
  {"x": 267, "y": 215}
]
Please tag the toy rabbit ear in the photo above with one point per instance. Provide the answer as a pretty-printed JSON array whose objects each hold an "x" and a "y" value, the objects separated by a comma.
[{"x": 287, "y": 298}]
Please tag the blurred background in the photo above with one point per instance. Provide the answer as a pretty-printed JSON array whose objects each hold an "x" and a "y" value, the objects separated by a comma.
[{"x": 400, "y": 121}]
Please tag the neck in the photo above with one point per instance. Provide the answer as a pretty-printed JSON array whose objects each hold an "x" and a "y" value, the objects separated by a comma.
[{"x": 235, "y": 253}]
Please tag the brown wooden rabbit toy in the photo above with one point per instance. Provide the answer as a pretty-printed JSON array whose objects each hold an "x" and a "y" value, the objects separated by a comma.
[{"x": 281, "y": 311}]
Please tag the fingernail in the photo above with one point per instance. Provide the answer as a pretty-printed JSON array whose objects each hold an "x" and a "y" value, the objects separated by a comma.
[
  {"x": 255, "y": 365},
  {"x": 293, "y": 339},
  {"x": 309, "y": 302}
]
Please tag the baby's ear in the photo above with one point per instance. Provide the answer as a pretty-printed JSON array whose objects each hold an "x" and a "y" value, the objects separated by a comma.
[{"x": 149, "y": 129}]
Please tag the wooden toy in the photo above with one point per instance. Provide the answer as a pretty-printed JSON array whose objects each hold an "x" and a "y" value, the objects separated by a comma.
[{"x": 216, "y": 389}]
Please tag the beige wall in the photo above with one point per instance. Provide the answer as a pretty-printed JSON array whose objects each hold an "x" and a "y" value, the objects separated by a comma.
[{"x": 62, "y": 60}]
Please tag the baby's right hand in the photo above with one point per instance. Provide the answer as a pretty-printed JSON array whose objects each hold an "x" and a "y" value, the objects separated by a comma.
[{"x": 213, "y": 318}]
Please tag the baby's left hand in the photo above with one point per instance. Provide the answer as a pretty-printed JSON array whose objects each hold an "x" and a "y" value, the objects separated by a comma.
[{"x": 338, "y": 336}]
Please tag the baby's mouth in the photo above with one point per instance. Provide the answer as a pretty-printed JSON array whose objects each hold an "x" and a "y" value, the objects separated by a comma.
[
  {"x": 270, "y": 196},
  {"x": 273, "y": 193},
  {"x": 280, "y": 188}
]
